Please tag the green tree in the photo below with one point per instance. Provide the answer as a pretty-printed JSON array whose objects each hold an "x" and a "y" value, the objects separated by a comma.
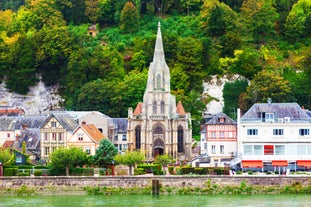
[
  {"x": 62, "y": 159},
  {"x": 222, "y": 19},
  {"x": 92, "y": 10},
  {"x": 231, "y": 94},
  {"x": 129, "y": 19},
  {"x": 130, "y": 158},
  {"x": 164, "y": 160},
  {"x": 6, "y": 157},
  {"x": 105, "y": 153},
  {"x": 295, "y": 25},
  {"x": 259, "y": 18},
  {"x": 268, "y": 84}
]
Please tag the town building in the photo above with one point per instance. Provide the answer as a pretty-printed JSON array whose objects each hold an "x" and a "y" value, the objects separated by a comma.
[
  {"x": 158, "y": 125},
  {"x": 118, "y": 133},
  {"x": 274, "y": 136},
  {"x": 87, "y": 137},
  {"x": 219, "y": 139},
  {"x": 55, "y": 132}
]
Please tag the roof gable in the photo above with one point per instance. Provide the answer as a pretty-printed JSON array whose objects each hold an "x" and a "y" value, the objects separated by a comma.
[
  {"x": 93, "y": 132},
  {"x": 180, "y": 109},
  {"x": 220, "y": 118},
  {"x": 139, "y": 109}
]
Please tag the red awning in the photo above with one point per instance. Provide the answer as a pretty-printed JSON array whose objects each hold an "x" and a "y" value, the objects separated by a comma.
[
  {"x": 252, "y": 163},
  {"x": 304, "y": 163},
  {"x": 279, "y": 163}
]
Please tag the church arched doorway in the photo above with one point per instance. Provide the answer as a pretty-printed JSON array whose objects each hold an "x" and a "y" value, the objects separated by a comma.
[{"x": 158, "y": 147}]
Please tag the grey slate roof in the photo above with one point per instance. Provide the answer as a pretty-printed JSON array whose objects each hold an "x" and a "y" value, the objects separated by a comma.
[
  {"x": 33, "y": 122},
  {"x": 120, "y": 124},
  {"x": 215, "y": 119},
  {"x": 7, "y": 123},
  {"x": 31, "y": 138},
  {"x": 66, "y": 121},
  {"x": 280, "y": 110}
]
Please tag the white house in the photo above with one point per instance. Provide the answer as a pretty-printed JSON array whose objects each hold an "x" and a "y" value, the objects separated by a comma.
[{"x": 274, "y": 136}]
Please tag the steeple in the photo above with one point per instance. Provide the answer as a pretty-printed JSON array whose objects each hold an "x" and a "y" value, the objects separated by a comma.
[{"x": 158, "y": 55}]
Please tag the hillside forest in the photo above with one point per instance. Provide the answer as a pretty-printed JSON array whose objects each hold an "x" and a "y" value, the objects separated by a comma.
[{"x": 265, "y": 43}]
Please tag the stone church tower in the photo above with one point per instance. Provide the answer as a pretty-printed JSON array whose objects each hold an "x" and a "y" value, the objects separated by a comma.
[{"x": 157, "y": 125}]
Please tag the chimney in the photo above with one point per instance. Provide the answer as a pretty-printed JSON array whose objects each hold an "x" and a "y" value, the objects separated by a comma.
[
  {"x": 24, "y": 126},
  {"x": 83, "y": 122}
]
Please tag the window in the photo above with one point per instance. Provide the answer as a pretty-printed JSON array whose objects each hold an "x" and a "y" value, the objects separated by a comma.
[
  {"x": 268, "y": 117},
  {"x": 88, "y": 150},
  {"x": 162, "y": 107},
  {"x": 124, "y": 137},
  {"x": 279, "y": 149},
  {"x": 304, "y": 132},
  {"x": 248, "y": 149},
  {"x": 268, "y": 150},
  {"x": 137, "y": 137},
  {"x": 180, "y": 139},
  {"x": 18, "y": 158},
  {"x": 278, "y": 132},
  {"x": 222, "y": 149},
  {"x": 8, "y": 135},
  {"x": 47, "y": 151},
  {"x": 80, "y": 137},
  {"x": 60, "y": 136},
  {"x": 301, "y": 149},
  {"x": 213, "y": 149},
  {"x": 54, "y": 136},
  {"x": 258, "y": 150},
  {"x": 252, "y": 132},
  {"x": 154, "y": 107},
  {"x": 53, "y": 124},
  {"x": 213, "y": 134},
  {"x": 222, "y": 134},
  {"x": 53, "y": 149},
  {"x": 46, "y": 136},
  {"x": 205, "y": 146},
  {"x": 158, "y": 81}
]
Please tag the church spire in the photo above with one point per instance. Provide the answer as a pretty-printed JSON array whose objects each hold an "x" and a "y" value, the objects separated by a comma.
[{"x": 158, "y": 50}]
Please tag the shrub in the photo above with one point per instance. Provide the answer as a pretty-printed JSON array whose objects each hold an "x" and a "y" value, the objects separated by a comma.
[
  {"x": 187, "y": 170},
  {"x": 25, "y": 166},
  {"x": 10, "y": 171},
  {"x": 198, "y": 170},
  {"x": 139, "y": 171},
  {"x": 171, "y": 170},
  {"x": 37, "y": 173},
  {"x": 158, "y": 172},
  {"x": 41, "y": 167},
  {"x": 23, "y": 174},
  {"x": 149, "y": 168}
]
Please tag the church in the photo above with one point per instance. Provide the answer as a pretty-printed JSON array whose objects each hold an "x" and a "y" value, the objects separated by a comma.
[{"x": 157, "y": 125}]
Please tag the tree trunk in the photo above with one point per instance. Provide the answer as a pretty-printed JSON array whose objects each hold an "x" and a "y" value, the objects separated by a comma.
[
  {"x": 130, "y": 169},
  {"x": 67, "y": 170}
]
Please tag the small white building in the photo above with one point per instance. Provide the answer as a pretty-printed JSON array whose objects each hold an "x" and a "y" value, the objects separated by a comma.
[{"x": 274, "y": 137}]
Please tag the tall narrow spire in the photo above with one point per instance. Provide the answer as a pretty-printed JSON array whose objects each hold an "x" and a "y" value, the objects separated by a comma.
[{"x": 158, "y": 50}]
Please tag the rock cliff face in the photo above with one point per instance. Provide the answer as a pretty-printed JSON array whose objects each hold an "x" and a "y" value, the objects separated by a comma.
[{"x": 39, "y": 99}]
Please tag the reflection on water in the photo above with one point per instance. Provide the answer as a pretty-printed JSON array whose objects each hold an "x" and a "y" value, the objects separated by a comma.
[{"x": 158, "y": 201}]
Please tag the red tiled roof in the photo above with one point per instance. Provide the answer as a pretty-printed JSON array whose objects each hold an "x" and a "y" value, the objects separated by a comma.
[
  {"x": 139, "y": 109},
  {"x": 8, "y": 144},
  {"x": 93, "y": 132},
  {"x": 11, "y": 112},
  {"x": 180, "y": 109}
]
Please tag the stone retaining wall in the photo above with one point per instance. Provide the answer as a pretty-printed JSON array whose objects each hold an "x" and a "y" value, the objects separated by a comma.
[{"x": 78, "y": 183}]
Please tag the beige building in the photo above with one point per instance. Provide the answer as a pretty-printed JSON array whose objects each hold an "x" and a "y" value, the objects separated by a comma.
[
  {"x": 158, "y": 125},
  {"x": 86, "y": 137},
  {"x": 57, "y": 129}
]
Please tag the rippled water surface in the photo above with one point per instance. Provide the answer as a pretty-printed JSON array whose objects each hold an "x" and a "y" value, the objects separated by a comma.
[{"x": 158, "y": 201}]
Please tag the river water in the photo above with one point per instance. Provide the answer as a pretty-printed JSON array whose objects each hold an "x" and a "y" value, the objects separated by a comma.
[{"x": 158, "y": 201}]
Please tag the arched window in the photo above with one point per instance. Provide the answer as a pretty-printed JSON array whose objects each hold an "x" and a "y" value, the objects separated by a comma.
[
  {"x": 137, "y": 137},
  {"x": 159, "y": 81},
  {"x": 154, "y": 107},
  {"x": 158, "y": 130},
  {"x": 180, "y": 139},
  {"x": 162, "y": 107}
]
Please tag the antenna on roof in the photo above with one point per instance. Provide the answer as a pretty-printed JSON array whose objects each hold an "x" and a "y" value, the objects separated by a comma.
[{"x": 269, "y": 100}]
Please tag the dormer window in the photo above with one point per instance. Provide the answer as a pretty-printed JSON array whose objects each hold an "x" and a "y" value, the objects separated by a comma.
[
  {"x": 221, "y": 120},
  {"x": 267, "y": 117},
  {"x": 53, "y": 124}
]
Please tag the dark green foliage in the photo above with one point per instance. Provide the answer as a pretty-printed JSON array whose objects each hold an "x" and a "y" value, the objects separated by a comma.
[
  {"x": 81, "y": 171},
  {"x": 231, "y": 94},
  {"x": 10, "y": 171},
  {"x": 129, "y": 19},
  {"x": 37, "y": 173},
  {"x": 139, "y": 171},
  {"x": 149, "y": 168},
  {"x": 105, "y": 153}
]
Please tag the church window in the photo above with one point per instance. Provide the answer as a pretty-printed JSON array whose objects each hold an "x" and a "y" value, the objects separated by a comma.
[
  {"x": 162, "y": 107},
  {"x": 154, "y": 107},
  {"x": 158, "y": 81},
  {"x": 137, "y": 137},
  {"x": 158, "y": 130},
  {"x": 180, "y": 137}
]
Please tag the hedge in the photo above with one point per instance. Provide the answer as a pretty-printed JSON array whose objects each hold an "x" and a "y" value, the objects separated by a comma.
[
  {"x": 10, "y": 171},
  {"x": 150, "y": 167},
  {"x": 37, "y": 173},
  {"x": 82, "y": 171},
  {"x": 139, "y": 171}
]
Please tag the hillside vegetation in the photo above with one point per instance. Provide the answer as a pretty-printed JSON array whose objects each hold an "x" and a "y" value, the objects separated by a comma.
[{"x": 265, "y": 42}]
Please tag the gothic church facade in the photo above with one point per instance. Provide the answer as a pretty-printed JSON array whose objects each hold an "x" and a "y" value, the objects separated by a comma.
[{"x": 158, "y": 125}]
